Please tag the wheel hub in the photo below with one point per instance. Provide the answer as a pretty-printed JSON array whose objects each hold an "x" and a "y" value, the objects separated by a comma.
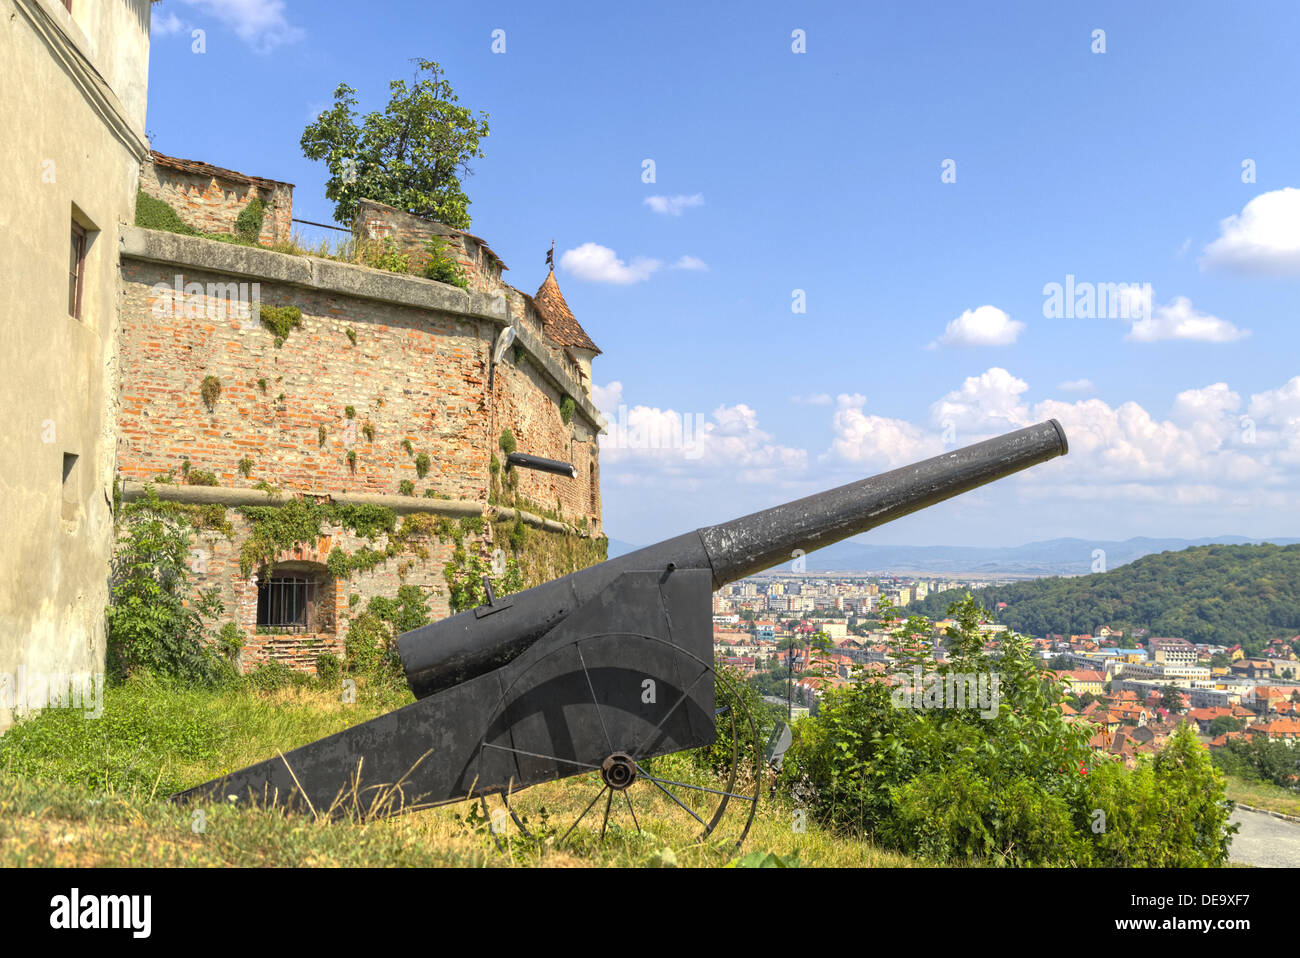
[{"x": 618, "y": 771}]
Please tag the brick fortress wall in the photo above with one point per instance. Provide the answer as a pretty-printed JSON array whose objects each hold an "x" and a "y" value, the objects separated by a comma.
[{"x": 418, "y": 372}]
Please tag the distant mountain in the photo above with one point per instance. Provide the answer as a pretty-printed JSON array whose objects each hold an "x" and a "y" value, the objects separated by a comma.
[
  {"x": 1049, "y": 557},
  {"x": 1216, "y": 593}
]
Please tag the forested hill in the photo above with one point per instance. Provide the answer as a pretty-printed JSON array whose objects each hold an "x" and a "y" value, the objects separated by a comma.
[{"x": 1220, "y": 593}]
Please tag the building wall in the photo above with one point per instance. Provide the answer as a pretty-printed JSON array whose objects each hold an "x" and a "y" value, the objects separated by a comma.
[
  {"x": 72, "y": 101},
  {"x": 211, "y": 204}
]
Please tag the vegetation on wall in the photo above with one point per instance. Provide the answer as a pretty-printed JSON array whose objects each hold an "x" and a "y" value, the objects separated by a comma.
[
  {"x": 507, "y": 441},
  {"x": 406, "y": 487},
  {"x": 422, "y": 465},
  {"x": 275, "y": 529},
  {"x": 210, "y": 391},
  {"x": 370, "y": 648},
  {"x": 200, "y": 477},
  {"x": 542, "y": 555},
  {"x": 280, "y": 320},
  {"x": 248, "y": 224},
  {"x": 566, "y": 409},
  {"x": 351, "y": 334},
  {"x": 155, "y": 214},
  {"x": 441, "y": 267},
  {"x": 246, "y": 467}
]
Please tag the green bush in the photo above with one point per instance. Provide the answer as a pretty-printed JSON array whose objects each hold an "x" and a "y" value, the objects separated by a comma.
[
  {"x": 406, "y": 487},
  {"x": 507, "y": 441},
  {"x": 248, "y": 224},
  {"x": 370, "y": 647},
  {"x": 442, "y": 267},
  {"x": 1020, "y": 786},
  {"x": 280, "y": 319},
  {"x": 152, "y": 624},
  {"x": 155, "y": 214},
  {"x": 566, "y": 409},
  {"x": 422, "y": 465},
  {"x": 328, "y": 669}
]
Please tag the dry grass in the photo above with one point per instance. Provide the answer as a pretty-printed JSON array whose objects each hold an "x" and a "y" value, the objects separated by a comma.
[{"x": 1263, "y": 795}]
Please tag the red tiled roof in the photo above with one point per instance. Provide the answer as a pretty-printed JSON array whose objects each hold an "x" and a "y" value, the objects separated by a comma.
[
  {"x": 207, "y": 169},
  {"x": 561, "y": 325}
]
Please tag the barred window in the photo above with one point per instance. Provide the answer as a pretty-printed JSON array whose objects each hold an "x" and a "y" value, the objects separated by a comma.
[{"x": 287, "y": 602}]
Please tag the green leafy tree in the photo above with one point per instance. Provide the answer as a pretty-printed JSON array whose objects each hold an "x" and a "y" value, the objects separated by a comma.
[{"x": 411, "y": 156}]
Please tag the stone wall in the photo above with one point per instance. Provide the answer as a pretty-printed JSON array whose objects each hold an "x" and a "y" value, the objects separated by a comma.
[{"x": 210, "y": 199}]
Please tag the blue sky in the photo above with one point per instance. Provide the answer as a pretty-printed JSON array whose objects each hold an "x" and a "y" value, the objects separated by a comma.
[{"x": 822, "y": 171}]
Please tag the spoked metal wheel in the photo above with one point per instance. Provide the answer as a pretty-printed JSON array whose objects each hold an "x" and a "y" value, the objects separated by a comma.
[{"x": 618, "y": 734}]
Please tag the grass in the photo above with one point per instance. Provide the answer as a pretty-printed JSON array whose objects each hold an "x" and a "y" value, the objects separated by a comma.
[
  {"x": 79, "y": 792},
  {"x": 1264, "y": 795}
]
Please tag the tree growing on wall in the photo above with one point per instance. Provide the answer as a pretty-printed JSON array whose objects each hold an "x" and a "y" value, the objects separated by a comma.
[{"x": 411, "y": 156}]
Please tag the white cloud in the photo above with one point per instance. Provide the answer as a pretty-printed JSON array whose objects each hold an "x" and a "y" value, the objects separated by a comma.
[
  {"x": 812, "y": 399},
  {"x": 165, "y": 25},
  {"x": 1076, "y": 386},
  {"x": 863, "y": 438},
  {"x": 984, "y": 326},
  {"x": 600, "y": 264},
  {"x": 673, "y": 205},
  {"x": 682, "y": 449},
  {"x": 989, "y": 402},
  {"x": 262, "y": 24},
  {"x": 1181, "y": 320},
  {"x": 691, "y": 263},
  {"x": 1263, "y": 238}
]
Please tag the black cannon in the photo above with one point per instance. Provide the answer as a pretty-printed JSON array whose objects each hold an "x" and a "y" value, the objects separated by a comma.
[{"x": 598, "y": 673}]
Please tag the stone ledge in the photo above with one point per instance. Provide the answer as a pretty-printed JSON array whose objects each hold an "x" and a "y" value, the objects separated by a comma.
[
  {"x": 228, "y": 496},
  {"x": 133, "y": 491},
  {"x": 311, "y": 272}
]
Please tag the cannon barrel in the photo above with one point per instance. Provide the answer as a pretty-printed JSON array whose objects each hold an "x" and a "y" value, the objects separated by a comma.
[{"x": 463, "y": 646}]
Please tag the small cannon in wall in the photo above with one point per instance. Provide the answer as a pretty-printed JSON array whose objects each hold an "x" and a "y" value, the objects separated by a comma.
[{"x": 600, "y": 673}]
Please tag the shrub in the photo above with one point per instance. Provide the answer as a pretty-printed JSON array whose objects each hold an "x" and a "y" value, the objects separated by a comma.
[
  {"x": 200, "y": 477},
  {"x": 566, "y": 409},
  {"x": 152, "y": 625},
  {"x": 406, "y": 487},
  {"x": 352, "y": 335},
  {"x": 422, "y": 465},
  {"x": 210, "y": 391},
  {"x": 280, "y": 319},
  {"x": 507, "y": 441},
  {"x": 245, "y": 467},
  {"x": 441, "y": 267},
  {"x": 155, "y": 214},
  {"x": 328, "y": 669},
  {"x": 248, "y": 224}
]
